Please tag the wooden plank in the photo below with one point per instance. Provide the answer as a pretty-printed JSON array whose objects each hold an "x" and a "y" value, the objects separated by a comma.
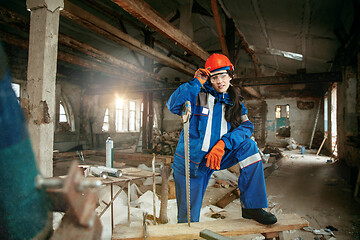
[
  {"x": 226, "y": 227},
  {"x": 142, "y": 11},
  {"x": 99, "y": 26}
]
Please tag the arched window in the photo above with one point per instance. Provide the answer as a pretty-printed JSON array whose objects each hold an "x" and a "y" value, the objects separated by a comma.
[
  {"x": 62, "y": 114},
  {"x": 66, "y": 117},
  {"x": 105, "y": 127},
  {"x": 119, "y": 114}
]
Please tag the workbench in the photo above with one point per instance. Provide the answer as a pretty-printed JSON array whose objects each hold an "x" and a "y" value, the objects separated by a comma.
[
  {"x": 225, "y": 227},
  {"x": 128, "y": 174}
]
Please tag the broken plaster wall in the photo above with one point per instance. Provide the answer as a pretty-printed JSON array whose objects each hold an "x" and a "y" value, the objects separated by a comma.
[
  {"x": 301, "y": 121},
  {"x": 348, "y": 117}
]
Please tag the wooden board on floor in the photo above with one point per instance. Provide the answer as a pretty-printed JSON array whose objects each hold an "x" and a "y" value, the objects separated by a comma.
[{"x": 226, "y": 227}]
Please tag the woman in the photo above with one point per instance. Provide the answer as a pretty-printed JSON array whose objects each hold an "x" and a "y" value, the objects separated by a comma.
[{"x": 219, "y": 138}]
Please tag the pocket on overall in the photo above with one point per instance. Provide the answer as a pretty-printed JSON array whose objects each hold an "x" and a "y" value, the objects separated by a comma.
[{"x": 200, "y": 119}]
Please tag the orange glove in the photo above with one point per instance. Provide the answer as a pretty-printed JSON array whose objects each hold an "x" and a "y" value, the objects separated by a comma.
[
  {"x": 215, "y": 155},
  {"x": 202, "y": 74}
]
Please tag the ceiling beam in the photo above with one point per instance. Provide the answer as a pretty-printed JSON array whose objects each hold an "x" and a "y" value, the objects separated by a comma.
[
  {"x": 219, "y": 29},
  {"x": 99, "y": 26},
  {"x": 142, "y": 11},
  {"x": 75, "y": 60},
  {"x": 101, "y": 57},
  {"x": 95, "y": 54},
  {"x": 308, "y": 78}
]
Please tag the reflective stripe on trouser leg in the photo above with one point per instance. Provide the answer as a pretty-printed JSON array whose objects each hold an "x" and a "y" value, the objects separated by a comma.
[{"x": 197, "y": 191}]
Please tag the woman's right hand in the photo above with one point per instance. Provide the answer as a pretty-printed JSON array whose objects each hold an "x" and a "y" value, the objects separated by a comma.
[{"x": 202, "y": 74}]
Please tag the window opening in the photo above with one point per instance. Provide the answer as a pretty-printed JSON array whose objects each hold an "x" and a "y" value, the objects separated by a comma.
[
  {"x": 282, "y": 115},
  {"x": 141, "y": 114},
  {"x": 62, "y": 115},
  {"x": 132, "y": 116},
  {"x": 119, "y": 114},
  {"x": 16, "y": 88},
  {"x": 105, "y": 127},
  {"x": 333, "y": 119}
]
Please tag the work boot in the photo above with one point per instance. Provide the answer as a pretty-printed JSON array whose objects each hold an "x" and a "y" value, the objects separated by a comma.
[{"x": 259, "y": 215}]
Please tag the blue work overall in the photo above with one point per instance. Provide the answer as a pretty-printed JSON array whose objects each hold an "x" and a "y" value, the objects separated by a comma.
[{"x": 207, "y": 127}]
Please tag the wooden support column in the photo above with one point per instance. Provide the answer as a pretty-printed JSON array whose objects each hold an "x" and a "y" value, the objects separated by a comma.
[
  {"x": 148, "y": 121},
  {"x": 41, "y": 78},
  {"x": 148, "y": 98}
]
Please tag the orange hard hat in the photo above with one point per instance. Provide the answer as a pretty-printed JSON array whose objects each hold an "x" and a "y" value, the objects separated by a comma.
[{"x": 218, "y": 62}]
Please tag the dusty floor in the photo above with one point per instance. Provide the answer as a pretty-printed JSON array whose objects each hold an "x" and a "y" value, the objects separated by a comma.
[
  {"x": 312, "y": 188},
  {"x": 303, "y": 184}
]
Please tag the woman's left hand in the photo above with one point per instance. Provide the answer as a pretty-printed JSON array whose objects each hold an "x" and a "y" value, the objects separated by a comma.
[{"x": 215, "y": 155}]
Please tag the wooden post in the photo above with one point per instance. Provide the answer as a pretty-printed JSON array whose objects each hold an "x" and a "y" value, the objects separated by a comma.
[
  {"x": 322, "y": 144},
  {"x": 165, "y": 174}
]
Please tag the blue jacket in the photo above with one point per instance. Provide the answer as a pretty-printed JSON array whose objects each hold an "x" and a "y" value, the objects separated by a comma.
[{"x": 207, "y": 123}]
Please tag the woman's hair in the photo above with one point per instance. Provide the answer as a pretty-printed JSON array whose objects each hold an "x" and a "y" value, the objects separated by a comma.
[{"x": 233, "y": 113}]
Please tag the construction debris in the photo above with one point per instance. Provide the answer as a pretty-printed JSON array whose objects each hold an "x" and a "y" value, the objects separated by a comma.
[{"x": 165, "y": 143}]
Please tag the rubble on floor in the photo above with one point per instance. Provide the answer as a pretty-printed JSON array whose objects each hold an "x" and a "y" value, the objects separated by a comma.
[
  {"x": 141, "y": 203},
  {"x": 165, "y": 143}
]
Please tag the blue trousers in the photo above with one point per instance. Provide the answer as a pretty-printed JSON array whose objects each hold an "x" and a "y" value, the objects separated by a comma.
[{"x": 251, "y": 181}]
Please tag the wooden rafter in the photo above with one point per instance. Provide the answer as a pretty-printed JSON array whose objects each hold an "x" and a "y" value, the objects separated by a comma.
[
  {"x": 96, "y": 55},
  {"x": 142, "y": 11},
  {"x": 99, "y": 26},
  {"x": 75, "y": 60},
  {"x": 104, "y": 57},
  {"x": 219, "y": 28}
]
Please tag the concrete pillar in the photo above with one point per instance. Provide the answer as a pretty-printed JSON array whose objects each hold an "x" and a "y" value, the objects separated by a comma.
[{"x": 43, "y": 45}]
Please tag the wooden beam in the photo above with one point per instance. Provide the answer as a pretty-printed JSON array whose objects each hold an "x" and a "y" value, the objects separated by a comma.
[
  {"x": 99, "y": 26},
  {"x": 309, "y": 78},
  {"x": 219, "y": 29},
  {"x": 97, "y": 55},
  {"x": 228, "y": 227},
  {"x": 104, "y": 57},
  {"x": 69, "y": 58},
  {"x": 141, "y": 10},
  {"x": 72, "y": 59}
]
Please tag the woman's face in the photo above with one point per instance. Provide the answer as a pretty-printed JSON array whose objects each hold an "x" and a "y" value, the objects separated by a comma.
[{"x": 221, "y": 82}]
